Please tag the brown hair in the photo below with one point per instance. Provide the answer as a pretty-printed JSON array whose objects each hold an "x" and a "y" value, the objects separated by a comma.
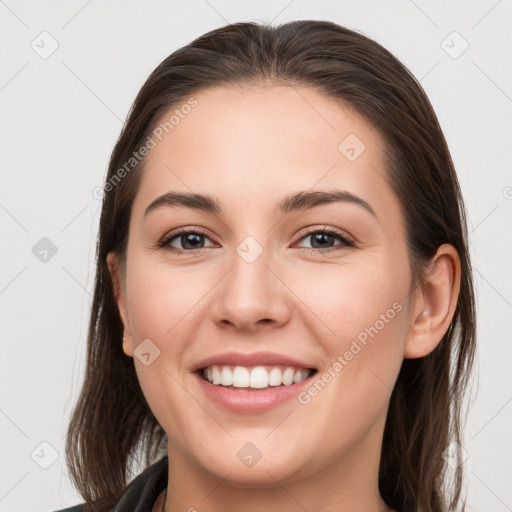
[{"x": 112, "y": 423}]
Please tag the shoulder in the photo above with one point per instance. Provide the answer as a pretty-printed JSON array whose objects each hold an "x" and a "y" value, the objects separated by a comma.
[{"x": 141, "y": 493}]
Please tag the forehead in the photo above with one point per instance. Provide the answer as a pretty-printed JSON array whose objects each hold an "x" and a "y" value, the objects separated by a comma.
[{"x": 255, "y": 145}]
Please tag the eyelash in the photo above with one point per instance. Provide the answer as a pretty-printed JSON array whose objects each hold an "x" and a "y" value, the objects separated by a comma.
[{"x": 346, "y": 242}]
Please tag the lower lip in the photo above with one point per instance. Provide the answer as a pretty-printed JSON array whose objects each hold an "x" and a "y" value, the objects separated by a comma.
[{"x": 248, "y": 400}]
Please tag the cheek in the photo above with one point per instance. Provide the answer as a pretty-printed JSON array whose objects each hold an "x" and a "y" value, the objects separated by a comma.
[
  {"x": 349, "y": 299},
  {"x": 160, "y": 308},
  {"x": 362, "y": 314},
  {"x": 160, "y": 297}
]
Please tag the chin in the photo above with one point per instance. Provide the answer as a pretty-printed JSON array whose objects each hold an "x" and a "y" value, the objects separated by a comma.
[{"x": 266, "y": 472}]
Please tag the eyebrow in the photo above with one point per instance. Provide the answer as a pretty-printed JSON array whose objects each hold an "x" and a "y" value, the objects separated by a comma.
[{"x": 294, "y": 202}]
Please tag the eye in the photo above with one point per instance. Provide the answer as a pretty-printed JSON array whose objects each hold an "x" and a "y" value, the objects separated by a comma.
[
  {"x": 189, "y": 238},
  {"x": 192, "y": 240},
  {"x": 323, "y": 237}
]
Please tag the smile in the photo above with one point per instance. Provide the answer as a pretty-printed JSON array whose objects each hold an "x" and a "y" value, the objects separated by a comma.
[
  {"x": 257, "y": 377},
  {"x": 243, "y": 396}
]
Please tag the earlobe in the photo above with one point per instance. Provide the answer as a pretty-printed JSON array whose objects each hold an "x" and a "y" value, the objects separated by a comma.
[
  {"x": 127, "y": 348},
  {"x": 113, "y": 267},
  {"x": 435, "y": 303}
]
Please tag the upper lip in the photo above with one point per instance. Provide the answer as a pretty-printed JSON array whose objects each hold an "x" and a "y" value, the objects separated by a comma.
[{"x": 254, "y": 359}]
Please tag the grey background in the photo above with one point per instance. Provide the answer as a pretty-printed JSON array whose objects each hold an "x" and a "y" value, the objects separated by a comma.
[{"x": 60, "y": 118}]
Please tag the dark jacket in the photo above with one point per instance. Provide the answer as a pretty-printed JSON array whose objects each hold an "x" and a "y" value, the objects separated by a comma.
[{"x": 141, "y": 493}]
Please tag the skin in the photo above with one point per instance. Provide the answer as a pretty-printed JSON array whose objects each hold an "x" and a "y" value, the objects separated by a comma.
[{"x": 251, "y": 147}]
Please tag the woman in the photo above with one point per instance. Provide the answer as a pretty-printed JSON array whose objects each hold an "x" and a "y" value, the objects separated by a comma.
[{"x": 274, "y": 374}]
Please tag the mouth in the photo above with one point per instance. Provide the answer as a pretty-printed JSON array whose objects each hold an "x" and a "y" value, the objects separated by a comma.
[
  {"x": 254, "y": 377},
  {"x": 250, "y": 390}
]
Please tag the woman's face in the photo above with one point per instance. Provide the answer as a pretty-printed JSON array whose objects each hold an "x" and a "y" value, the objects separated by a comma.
[{"x": 263, "y": 277}]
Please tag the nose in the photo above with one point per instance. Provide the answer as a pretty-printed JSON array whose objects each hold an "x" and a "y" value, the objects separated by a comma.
[{"x": 252, "y": 296}]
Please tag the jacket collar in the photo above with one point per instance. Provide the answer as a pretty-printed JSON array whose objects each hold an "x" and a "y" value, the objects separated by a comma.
[{"x": 142, "y": 492}]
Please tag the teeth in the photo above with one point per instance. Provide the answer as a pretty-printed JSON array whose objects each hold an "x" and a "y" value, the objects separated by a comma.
[
  {"x": 298, "y": 376},
  {"x": 215, "y": 377},
  {"x": 275, "y": 377},
  {"x": 288, "y": 376},
  {"x": 258, "y": 377},
  {"x": 240, "y": 377},
  {"x": 226, "y": 377}
]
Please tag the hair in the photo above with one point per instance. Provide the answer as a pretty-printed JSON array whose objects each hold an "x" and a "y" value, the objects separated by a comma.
[{"x": 112, "y": 424}]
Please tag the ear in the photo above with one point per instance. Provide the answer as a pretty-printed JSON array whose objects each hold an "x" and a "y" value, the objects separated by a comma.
[
  {"x": 435, "y": 303},
  {"x": 119, "y": 293}
]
